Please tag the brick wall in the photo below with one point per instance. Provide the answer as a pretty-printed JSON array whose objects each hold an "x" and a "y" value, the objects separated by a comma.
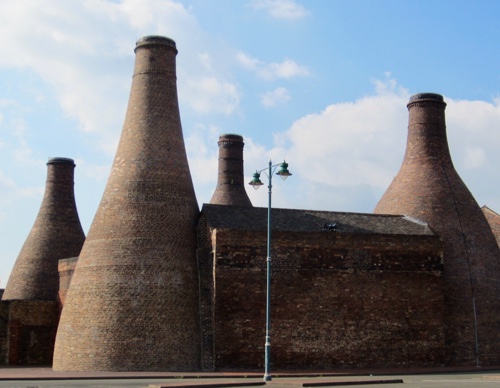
[
  {"x": 4, "y": 324},
  {"x": 30, "y": 331},
  {"x": 338, "y": 300},
  {"x": 206, "y": 284},
  {"x": 66, "y": 268}
]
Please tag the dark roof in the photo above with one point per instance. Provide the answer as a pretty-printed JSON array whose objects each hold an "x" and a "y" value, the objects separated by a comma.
[{"x": 295, "y": 220}]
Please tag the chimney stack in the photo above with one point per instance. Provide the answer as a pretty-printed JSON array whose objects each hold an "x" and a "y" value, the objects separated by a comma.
[
  {"x": 56, "y": 234},
  {"x": 230, "y": 188},
  {"x": 133, "y": 300},
  {"x": 428, "y": 187}
]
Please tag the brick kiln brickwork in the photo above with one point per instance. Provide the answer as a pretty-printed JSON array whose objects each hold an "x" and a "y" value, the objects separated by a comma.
[
  {"x": 31, "y": 331},
  {"x": 428, "y": 187},
  {"x": 66, "y": 268},
  {"x": 206, "y": 272},
  {"x": 133, "y": 299},
  {"x": 369, "y": 294},
  {"x": 230, "y": 189},
  {"x": 4, "y": 325},
  {"x": 56, "y": 234},
  {"x": 493, "y": 219}
]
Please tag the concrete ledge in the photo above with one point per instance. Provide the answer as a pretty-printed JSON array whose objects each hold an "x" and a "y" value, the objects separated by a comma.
[
  {"x": 261, "y": 383},
  {"x": 344, "y": 383},
  {"x": 204, "y": 385}
]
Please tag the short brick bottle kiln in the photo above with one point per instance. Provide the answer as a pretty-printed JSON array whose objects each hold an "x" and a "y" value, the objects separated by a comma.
[
  {"x": 428, "y": 187},
  {"x": 56, "y": 234}
]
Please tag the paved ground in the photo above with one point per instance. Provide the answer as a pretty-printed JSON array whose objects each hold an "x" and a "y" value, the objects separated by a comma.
[{"x": 45, "y": 378}]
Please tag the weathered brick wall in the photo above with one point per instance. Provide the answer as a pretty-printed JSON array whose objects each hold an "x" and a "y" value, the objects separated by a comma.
[
  {"x": 206, "y": 284},
  {"x": 338, "y": 300},
  {"x": 32, "y": 327},
  {"x": 4, "y": 324},
  {"x": 66, "y": 268}
]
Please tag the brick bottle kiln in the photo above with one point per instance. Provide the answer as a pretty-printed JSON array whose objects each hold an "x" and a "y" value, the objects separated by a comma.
[
  {"x": 30, "y": 302},
  {"x": 56, "y": 234},
  {"x": 136, "y": 278},
  {"x": 428, "y": 187},
  {"x": 230, "y": 189}
]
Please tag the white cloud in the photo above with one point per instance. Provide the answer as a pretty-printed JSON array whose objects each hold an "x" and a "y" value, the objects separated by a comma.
[
  {"x": 345, "y": 157},
  {"x": 476, "y": 117},
  {"x": 96, "y": 172},
  {"x": 352, "y": 144},
  {"x": 270, "y": 71},
  {"x": 475, "y": 157},
  {"x": 288, "y": 69},
  {"x": 276, "y": 97},
  {"x": 206, "y": 61},
  {"x": 474, "y": 133},
  {"x": 248, "y": 62},
  {"x": 203, "y": 157},
  {"x": 19, "y": 204},
  {"x": 84, "y": 52},
  {"x": 11, "y": 191},
  {"x": 281, "y": 9},
  {"x": 210, "y": 94},
  {"x": 14, "y": 139}
]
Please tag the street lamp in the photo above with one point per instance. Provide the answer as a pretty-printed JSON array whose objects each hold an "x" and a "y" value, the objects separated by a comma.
[{"x": 256, "y": 183}]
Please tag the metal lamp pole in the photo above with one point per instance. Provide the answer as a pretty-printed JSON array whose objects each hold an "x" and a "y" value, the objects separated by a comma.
[{"x": 256, "y": 183}]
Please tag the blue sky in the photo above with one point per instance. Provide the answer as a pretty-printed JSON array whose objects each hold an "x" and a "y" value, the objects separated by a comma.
[{"x": 322, "y": 83}]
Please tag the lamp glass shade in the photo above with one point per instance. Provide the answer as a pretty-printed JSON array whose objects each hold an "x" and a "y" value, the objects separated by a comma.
[
  {"x": 283, "y": 171},
  {"x": 256, "y": 182}
]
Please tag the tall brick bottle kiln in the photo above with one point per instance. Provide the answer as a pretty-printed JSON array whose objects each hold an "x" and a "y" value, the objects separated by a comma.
[
  {"x": 428, "y": 187},
  {"x": 133, "y": 299},
  {"x": 56, "y": 234},
  {"x": 230, "y": 188}
]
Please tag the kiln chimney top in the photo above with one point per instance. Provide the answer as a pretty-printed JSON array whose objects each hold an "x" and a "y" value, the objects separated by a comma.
[
  {"x": 232, "y": 136},
  {"x": 59, "y": 160},
  {"x": 150, "y": 40},
  {"x": 427, "y": 98}
]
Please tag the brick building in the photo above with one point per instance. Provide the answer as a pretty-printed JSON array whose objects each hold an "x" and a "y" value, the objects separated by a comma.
[
  {"x": 367, "y": 293},
  {"x": 161, "y": 285}
]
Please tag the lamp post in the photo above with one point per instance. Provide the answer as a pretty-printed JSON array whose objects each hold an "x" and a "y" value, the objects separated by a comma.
[{"x": 256, "y": 183}]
